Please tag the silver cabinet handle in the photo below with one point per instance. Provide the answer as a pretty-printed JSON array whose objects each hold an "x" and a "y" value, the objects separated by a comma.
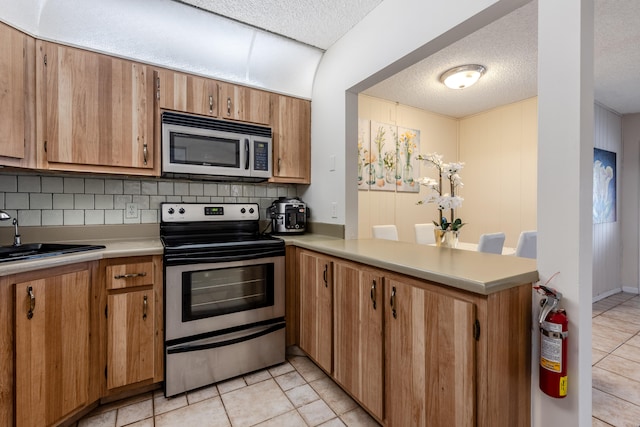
[
  {"x": 229, "y": 107},
  {"x": 144, "y": 308},
  {"x": 373, "y": 294},
  {"x": 210, "y": 104},
  {"x": 129, "y": 276},
  {"x": 145, "y": 153},
  {"x": 324, "y": 275},
  {"x": 393, "y": 302},
  {"x": 32, "y": 302}
]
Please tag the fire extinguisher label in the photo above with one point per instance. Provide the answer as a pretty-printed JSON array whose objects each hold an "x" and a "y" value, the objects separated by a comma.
[
  {"x": 563, "y": 386},
  {"x": 551, "y": 353}
]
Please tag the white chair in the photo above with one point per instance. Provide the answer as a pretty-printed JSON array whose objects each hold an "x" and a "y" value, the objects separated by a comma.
[
  {"x": 387, "y": 232},
  {"x": 491, "y": 243},
  {"x": 527, "y": 244},
  {"x": 424, "y": 234}
]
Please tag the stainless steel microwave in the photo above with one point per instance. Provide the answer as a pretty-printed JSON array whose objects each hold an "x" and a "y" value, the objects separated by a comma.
[{"x": 216, "y": 149}]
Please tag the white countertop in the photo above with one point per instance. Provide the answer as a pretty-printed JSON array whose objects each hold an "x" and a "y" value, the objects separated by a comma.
[
  {"x": 472, "y": 271},
  {"x": 114, "y": 248}
]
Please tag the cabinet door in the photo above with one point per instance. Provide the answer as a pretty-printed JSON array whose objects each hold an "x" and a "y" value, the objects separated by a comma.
[
  {"x": 186, "y": 93},
  {"x": 291, "y": 121},
  {"x": 16, "y": 95},
  {"x": 243, "y": 103},
  {"x": 130, "y": 336},
  {"x": 316, "y": 292},
  {"x": 358, "y": 344},
  {"x": 430, "y": 357},
  {"x": 52, "y": 344},
  {"x": 99, "y": 110}
]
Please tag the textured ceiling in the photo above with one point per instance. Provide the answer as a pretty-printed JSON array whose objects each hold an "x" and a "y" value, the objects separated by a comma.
[
  {"x": 317, "y": 23},
  {"x": 507, "y": 47},
  {"x": 508, "y": 50}
]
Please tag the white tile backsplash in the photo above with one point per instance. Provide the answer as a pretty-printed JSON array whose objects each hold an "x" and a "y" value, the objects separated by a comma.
[
  {"x": 17, "y": 200},
  {"x": 73, "y": 185},
  {"x": 28, "y": 184},
  {"x": 41, "y": 200}
]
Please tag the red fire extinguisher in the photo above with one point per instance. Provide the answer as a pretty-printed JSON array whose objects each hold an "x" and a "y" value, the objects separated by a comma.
[{"x": 554, "y": 330}]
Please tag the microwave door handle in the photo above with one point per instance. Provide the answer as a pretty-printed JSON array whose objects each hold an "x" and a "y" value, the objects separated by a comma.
[{"x": 246, "y": 153}]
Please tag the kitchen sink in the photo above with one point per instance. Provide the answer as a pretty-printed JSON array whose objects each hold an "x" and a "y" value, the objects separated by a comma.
[{"x": 40, "y": 250}]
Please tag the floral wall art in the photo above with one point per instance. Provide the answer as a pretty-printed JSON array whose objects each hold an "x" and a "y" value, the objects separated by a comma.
[
  {"x": 387, "y": 157},
  {"x": 604, "y": 186}
]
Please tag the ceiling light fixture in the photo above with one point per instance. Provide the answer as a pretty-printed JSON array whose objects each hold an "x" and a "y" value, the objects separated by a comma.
[{"x": 463, "y": 76}]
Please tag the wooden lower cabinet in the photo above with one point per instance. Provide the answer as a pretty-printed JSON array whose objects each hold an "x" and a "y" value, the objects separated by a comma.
[
  {"x": 424, "y": 354},
  {"x": 134, "y": 340},
  {"x": 52, "y": 344},
  {"x": 358, "y": 356},
  {"x": 430, "y": 357},
  {"x": 316, "y": 307}
]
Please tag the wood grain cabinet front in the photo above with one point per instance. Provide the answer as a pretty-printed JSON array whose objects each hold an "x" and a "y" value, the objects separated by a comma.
[
  {"x": 134, "y": 321},
  {"x": 316, "y": 308},
  {"x": 17, "y": 98},
  {"x": 95, "y": 112},
  {"x": 414, "y": 352},
  {"x": 52, "y": 346},
  {"x": 291, "y": 123},
  {"x": 186, "y": 93},
  {"x": 358, "y": 356},
  {"x": 134, "y": 341},
  {"x": 243, "y": 103}
]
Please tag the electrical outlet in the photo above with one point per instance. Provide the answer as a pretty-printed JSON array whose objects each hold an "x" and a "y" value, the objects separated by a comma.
[
  {"x": 334, "y": 209},
  {"x": 131, "y": 210}
]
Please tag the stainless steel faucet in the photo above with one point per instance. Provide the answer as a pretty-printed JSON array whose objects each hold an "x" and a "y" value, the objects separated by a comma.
[{"x": 16, "y": 235}]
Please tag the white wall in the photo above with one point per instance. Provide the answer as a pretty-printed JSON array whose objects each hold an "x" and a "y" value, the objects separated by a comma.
[
  {"x": 437, "y": 134},
  {"x": 607, "y": 239},
  {"x": 393, "y": 36},
  {"x": 630, "y": 205},
  {"x": 173, "y": 35},
  {"x": 499, "y": 148}
]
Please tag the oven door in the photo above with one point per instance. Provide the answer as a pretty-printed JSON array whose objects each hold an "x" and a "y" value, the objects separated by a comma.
[{"x": 202, "y": 298}]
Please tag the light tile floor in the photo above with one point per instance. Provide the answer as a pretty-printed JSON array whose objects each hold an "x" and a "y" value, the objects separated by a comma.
[
  {"x": 616, "y": 361},
  {"x": 295, "y": 393},
  {"x": 298, "y": 393}
]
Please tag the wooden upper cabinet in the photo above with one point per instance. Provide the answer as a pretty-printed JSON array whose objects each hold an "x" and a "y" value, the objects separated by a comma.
[
  {"x": 186, "y": 93},
  {"x": 17, "y": 129},
  {"x": 291, "y": 122},
  {"x": 243, "y": 103},
  {"x": 97, "y": 112}
]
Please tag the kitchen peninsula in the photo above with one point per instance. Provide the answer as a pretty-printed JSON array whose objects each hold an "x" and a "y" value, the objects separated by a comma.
[{"x": 419, "y": 335}]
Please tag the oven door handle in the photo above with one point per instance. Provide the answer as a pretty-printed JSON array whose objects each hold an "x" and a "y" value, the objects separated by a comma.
[
  {"x": 195, "y": 259},
  {"x": 221, "y": 341}
]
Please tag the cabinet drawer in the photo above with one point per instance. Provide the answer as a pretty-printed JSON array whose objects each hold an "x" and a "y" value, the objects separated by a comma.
[{"x": 129, "y": 275}]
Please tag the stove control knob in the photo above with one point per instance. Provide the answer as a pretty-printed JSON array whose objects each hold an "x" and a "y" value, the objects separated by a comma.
[
  {"x": 181, "y": 211},
  {"x": 170, "y": 211},
  {"x": 243, "y": 210},
  {"x": 251, "y": 210}
]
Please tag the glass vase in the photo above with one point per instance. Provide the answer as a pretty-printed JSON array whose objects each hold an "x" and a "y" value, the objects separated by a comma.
[
  {"x": 446, "y": 238},
  {"x": 390, "y": 176},
  {"x": 407, "y": 173}
]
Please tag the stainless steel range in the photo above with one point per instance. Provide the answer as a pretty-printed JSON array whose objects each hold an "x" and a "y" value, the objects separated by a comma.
[{"x": 224, "y": 294}]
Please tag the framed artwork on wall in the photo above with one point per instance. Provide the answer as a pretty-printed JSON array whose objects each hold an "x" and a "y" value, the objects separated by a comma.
[
  {"x": 604, "y": 186},
  {"x": 386, "y": 157}
]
